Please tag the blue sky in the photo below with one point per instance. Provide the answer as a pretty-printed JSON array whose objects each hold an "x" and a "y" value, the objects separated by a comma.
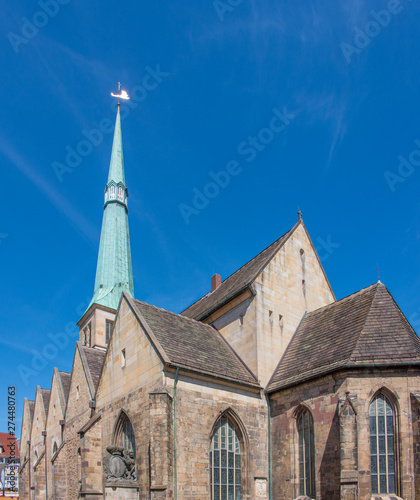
[{"x": 310, "y": 105}]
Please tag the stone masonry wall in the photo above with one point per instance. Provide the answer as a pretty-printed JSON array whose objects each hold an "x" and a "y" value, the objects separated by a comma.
[
  {"x": 58, "y": 476},
  {"x": 38, "y": 447},
  {"x": 91, "y": 461},
  {"x": 332, "y": 459},
  {"x": 25, "y": 436},
  {"x": 127, "y": 388},
  {"x": 77, "y": 414},
  {"x": 415, "y": 417},
  {"x": 260, "y": 327},
  {"x": 199, "y": 405},
  {"x": 290, "y": 285},
  {"x": 55, "y": 414}
]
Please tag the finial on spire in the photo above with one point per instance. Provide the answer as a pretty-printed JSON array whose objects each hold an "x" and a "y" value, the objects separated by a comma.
[
  {"x": 121, "y": 95},
  {"x": 379, "y": 273},
  {"x": 299, "y": 215}
]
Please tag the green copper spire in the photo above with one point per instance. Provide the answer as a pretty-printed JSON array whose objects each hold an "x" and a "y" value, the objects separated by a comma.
[{"x": 114, "y": 273}]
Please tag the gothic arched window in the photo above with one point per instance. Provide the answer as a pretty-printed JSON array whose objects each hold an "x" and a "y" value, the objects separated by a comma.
[
  {"x": 124, "y": 434},
  {"x": 225, "y": 462},
  {"x": 305, "y": 425},
  {"x": 55, "y": 448},
  {"x": 112, "y": 192},
  {"x": 120, "y": 194},
  {"x": 382, "y": 445}
]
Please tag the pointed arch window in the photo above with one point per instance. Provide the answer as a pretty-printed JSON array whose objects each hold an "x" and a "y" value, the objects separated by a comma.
[
  {"x": 305, "y": 425},
  {"x": 55, "y": 448},
  {"x": 124, "y": 434},
  {"x": 225, "y": 462},
  {"x": 120, "y": 193},
  {"x": 382, "y": 445},
  {"x": 112, "y": 192}
]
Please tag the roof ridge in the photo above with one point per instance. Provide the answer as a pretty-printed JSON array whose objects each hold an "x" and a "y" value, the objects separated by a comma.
[
  {"x": 287, "y": 233},
  {"x": 347, "y": 297},
  {"x": 403, "y": 317},
  {"x": 356, "y": 345},
  {"x": 174, "y": 313},
  {"x": 263, "y": 250}
]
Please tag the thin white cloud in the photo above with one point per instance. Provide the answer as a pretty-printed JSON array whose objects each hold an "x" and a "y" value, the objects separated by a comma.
[{"x": 76, "y": 219}]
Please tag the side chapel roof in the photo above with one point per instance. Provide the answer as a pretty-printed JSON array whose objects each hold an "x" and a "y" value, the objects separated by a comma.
[
  {"x": 185, "y": 343},
  {"x": 366, "y": 328}
]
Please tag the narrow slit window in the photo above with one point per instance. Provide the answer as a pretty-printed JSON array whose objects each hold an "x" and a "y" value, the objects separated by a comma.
[
  {"x": 109, "y": 325},
  {"x": 305, "y": 426}
]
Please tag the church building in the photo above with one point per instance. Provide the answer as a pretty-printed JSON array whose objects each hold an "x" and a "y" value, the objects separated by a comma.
[{"x": 266, "y": 388}]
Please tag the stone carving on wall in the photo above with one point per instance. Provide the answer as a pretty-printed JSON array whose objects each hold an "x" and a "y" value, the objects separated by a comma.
[
  {"x": 261, "y": 489},
  {"x": 119, "y": 465}
]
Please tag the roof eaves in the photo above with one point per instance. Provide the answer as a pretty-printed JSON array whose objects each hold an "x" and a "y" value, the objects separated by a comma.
[
  {"x": 228, "y": 299},
  {"x": 209, "y": 374},
  {"x": 275, "y": 249},
  {"x": 347, "y": 366}
]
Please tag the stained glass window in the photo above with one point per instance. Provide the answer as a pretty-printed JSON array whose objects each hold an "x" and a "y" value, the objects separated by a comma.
[
  {"x": 125, "y": 434},
  {"x": 225, "y": 462},
  {"x": 382, "y": 445},
  {"x": 305, "y": 426}
]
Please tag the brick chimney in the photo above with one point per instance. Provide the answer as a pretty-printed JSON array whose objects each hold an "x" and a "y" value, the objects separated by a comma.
[{"x": 216, "y": 281}]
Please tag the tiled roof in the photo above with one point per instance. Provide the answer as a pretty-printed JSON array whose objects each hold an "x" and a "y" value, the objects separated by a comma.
[
  {"x": 65, "y": 382},
  {"x": 31, "y": 406},
  {"x": 95, "y": 359},
  {"x": 365, "y": 328},
  {"x": 192, "y": 345},
  {"x": 237, "y": 282},
  {"x": 46, "y": 393},
  {"x": 6, "y": 440}
]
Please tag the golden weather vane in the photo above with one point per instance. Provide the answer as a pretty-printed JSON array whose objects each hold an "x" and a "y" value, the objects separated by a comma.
[{"x": 122, "y": 94}]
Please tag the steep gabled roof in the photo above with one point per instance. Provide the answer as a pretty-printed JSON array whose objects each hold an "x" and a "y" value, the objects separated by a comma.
[
  {"x": 31, "y": 407},
  {"x": 46, "y": 393},
  {"x": 92, "y": 360},
  {"x": 65, "y": 382},
  {"x": 189, "y": 344},
  {"x": 237, "y": 282},
  {"x": 363, "y": 329}
]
